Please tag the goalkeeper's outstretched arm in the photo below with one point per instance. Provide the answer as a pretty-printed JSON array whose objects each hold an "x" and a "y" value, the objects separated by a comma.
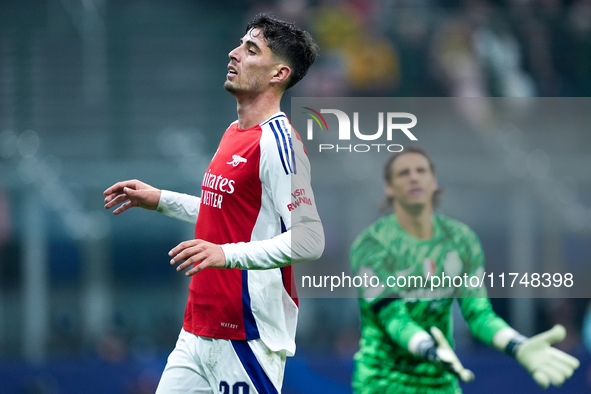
[{"x": 546, "y": 364}]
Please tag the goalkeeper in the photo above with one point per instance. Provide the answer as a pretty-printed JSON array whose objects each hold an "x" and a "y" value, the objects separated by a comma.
[{"x": 407, "y": 332}]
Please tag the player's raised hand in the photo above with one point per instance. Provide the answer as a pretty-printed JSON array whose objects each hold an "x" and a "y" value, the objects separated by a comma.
[
  {"x": 546, "y": 364},
  {"x": 197, "y": 251},
  {"x": 443, "y": 354},
  {"x": 129, "y": 194}
]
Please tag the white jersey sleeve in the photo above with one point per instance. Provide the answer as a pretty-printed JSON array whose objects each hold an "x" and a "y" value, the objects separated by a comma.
[
  {"x": 179, "y": 206},
  {"x": 285, "y": 177}
]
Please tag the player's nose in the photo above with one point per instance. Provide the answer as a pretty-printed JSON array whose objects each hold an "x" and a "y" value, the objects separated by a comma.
[
  {"x": 414, "y": 176},
  {"x": 233, "y": 54}
]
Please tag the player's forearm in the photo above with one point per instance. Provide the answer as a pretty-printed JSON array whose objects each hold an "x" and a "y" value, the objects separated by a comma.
[
  {"x": 307, "y": 240},
  {"x": 293, "y": 246},
  {"x": 179, "y": 206},
  {"x": 482, "y": 321},
  {"x": 399, "y": 325}
]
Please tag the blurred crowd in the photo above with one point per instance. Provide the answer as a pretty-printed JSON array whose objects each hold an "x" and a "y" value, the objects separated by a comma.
[{"x": 499, "y": 48}]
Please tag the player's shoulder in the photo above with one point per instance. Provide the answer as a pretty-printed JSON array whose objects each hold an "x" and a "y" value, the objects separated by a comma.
[
  {"x": 451, "y": 223},
  {"x": 384, "y": 224},
  {"x": 375, "y": 235},
  {"x": 277, "y": 123},
  {"x": 280, "y": 143},
  {"x": 456, "y": 229}
]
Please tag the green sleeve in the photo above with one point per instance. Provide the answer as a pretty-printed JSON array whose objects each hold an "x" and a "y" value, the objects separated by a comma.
[
  {"x": 482, "y": 321},
  {"x": 397, "y": 322},
  {"x": 387, "y": 309}
]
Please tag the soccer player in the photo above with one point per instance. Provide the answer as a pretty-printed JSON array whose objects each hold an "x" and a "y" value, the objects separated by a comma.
[
  {"x": 406, "y": 330},
  {"x": 251, "y": 224}
]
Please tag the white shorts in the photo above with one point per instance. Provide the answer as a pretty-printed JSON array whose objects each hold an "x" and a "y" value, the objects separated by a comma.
[{"x": 210, "y": 365}]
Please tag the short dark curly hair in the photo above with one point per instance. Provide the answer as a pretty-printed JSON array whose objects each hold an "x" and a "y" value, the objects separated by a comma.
[
  {"x": 289, "y": 43},
  {"x": 387, "y": 204}
]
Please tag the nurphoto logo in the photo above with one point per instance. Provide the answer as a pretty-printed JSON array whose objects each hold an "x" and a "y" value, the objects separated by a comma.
[{"x": 396, "y": 124}]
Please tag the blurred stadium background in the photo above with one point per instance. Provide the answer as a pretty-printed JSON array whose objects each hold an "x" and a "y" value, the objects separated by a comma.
[{"x": 96, "y": 91}]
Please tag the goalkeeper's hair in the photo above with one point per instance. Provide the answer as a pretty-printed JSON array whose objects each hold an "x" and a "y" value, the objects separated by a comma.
[
  {"x": 289, "y": 43},
  {"x": 387, "y": 204}
]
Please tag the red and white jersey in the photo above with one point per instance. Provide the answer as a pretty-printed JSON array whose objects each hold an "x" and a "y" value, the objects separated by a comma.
[{"x": 257, "y": 203}]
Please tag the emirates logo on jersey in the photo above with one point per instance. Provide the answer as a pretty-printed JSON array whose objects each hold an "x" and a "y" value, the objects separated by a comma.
[{"x": 217, "y": 184}]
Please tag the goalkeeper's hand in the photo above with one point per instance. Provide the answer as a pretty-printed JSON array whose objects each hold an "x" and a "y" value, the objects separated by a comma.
[
  {"x": 443, "y": 354},
  {"x": 545, "y": 363}
]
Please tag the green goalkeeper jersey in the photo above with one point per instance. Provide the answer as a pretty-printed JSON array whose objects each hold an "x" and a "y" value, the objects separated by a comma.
[{"x": 405, "y": 305}]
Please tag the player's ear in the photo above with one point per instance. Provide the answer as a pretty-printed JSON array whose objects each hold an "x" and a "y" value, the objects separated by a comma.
[
  {"x": 280, "y": 73},
  {"x": 388, "y": 190}
]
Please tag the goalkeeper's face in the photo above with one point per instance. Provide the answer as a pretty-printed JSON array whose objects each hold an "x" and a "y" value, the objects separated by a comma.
[{"x": 412, "y": 183}]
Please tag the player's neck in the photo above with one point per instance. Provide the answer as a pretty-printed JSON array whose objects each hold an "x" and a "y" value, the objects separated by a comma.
[
  {"x": 417, "y": 222},
  {"x": 254, "y": 110}
]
